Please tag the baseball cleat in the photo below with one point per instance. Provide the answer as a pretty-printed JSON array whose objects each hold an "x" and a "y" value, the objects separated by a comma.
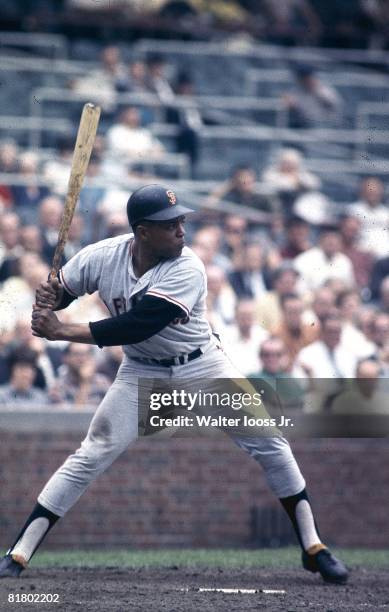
[
  {"x": 9, "y": 568},
  {"x": 330, "y": 568}
]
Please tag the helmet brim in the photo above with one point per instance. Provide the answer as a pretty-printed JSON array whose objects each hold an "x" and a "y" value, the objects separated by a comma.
[{"x": 169, "y": 213}]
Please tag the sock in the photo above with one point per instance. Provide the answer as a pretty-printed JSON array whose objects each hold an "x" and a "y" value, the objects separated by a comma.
[
  {"x": 36, "y": 527},
  {"x": 300, "y": 513}
]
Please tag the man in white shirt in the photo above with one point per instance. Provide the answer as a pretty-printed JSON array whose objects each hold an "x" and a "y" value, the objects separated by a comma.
[
  {"x": 242, "y": 340},
  {"x": 324, "y": 262},
  {"x": 374, "y": 217},
  {"x": 127, "y": 138}
]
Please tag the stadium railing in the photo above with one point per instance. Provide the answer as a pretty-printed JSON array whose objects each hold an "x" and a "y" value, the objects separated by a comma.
[{"x": 54, "y": 44}]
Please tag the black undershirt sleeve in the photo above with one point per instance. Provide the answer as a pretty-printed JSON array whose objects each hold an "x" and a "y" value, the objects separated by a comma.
[
  {"x": 144, "y": 320},
  {"x": 67, "y": 298}
]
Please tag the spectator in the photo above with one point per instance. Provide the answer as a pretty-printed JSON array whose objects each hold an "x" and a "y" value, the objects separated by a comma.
[
  {"x": 17, "y": 294},
  {"x": 297, "y": 238},
  {"x": 240, "y": 189},
  {"x": 327, "y": 357},
  {"x": 188, "y": 118},
  {"x": 109, "y": 361},
  {"x": 20, "y": 392},
  {"x": 292, "y": 330},
  {"x": 234, "y": 234},
  {"x": 78, "y": 381},
  {"x": 101, "y": 84},
  {"x": 9, "y": 157},
  {"x": 289, "y": 178},
  {"x": 50, "y": 215},
  {"x": 348, "y": 302},
  {"x": 374, "y": 217},
  {"x": 379, "y": 272},
  {"x": 27, "y": 197},
  {"x": 242, "y": 339},
  {"x": 312, "y": 103},
  {"x": 56, "y": 171},
  {"x": 365, "y": 397},
  {"x": 326, "y": 261},
  {"x": 284, "y": 281},
  {"x": 384, "y": 295},
  {"x": 156, "y": 80},
  {"x": 221, "y": 300},
  {"x": 31, "y": 239},
  {"x": 206, "y": 244},
  {"x": 365, "y": 322},
  {"x": 137, "y": 77},
  {"x": 362, "y": 261},
  {"x": 248, "y": 281},
  {"x": 292, "y": 21},
  {"x": 130, "y": 142},
  {"x": 380, "y": 332},
  {"x": 10, "y": 248}
]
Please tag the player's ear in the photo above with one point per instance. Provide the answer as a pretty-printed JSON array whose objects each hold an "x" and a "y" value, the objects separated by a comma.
[{"x": 141, "y": 231}]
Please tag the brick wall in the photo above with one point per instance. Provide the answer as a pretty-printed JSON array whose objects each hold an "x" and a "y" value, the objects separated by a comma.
[{"x": 194, "y": 492}]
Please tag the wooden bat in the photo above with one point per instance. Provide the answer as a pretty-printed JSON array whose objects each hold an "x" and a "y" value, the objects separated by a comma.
[{"x": 82, "y": 151}]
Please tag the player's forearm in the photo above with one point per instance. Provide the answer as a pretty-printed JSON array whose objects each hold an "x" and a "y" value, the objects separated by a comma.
[{"x": 74, "y": 332}]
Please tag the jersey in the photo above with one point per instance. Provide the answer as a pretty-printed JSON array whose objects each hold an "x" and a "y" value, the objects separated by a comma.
[{"x": 106, "y": 267}]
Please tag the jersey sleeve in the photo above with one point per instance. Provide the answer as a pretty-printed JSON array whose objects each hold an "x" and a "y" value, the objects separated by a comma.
[
  {"x": 81, "y": 273},
  {"x": 181, "y": 286}
]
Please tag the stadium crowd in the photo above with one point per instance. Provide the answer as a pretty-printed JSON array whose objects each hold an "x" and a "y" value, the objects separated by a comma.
[{"x": 301, "y": 293}]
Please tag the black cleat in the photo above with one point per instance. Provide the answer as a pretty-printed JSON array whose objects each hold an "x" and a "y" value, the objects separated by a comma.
[
  {"x": 330, "y": 568},
  {"x": 10, "y": 568}
]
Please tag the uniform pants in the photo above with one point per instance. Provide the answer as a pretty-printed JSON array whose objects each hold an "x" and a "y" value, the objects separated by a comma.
[{"x": 114, "y": 428}]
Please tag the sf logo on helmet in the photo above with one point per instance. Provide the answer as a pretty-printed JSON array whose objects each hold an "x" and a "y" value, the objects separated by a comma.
[{"x": 172, "y": 197}]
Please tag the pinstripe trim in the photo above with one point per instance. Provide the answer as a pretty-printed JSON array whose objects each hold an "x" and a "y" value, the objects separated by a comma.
[
  {"x": 168, "y": 299},
  {"x": 62, "y": 278}
]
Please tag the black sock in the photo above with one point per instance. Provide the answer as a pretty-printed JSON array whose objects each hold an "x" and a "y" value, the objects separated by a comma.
[
  {"x": 38, "y": 525},
  {"x": 304, "y": 524}
]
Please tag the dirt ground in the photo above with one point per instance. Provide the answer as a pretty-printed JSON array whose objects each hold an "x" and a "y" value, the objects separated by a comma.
[{"x": 176, "y": 590}]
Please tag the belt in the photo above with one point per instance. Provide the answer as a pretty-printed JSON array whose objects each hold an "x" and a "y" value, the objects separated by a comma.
[{"x": 170, "y": 361}]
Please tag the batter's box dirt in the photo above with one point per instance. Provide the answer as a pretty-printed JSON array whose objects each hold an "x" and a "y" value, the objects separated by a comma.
[{"x": 179, "y": 590}]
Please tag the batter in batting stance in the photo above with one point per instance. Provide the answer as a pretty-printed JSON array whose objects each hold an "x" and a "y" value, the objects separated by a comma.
[{"x": 155, "y": 289}]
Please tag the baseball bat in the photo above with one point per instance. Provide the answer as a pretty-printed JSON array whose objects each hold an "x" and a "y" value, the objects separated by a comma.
[{"x": 82, "y": 151}]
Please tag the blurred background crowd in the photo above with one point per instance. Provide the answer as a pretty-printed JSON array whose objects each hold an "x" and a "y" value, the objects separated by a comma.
[{"x": 280, "y": 147}]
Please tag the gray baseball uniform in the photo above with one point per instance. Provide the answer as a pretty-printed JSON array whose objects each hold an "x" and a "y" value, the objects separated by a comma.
[{"x": 106, "y": 267}]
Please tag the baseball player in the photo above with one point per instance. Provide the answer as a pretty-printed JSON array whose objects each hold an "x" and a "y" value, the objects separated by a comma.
[{"x": 155, "y": 289}]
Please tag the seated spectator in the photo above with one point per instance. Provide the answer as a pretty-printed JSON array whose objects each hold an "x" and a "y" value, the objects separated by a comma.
[
  {"x": 362, "y": 260},
  {"x": 31, "y": 239},
  {"x": 50, "y": 215},
  {"x": 20, "y": 392},
  {"x": 17, "y": 294},
  {"x": 325, "y": 261},
  {"x": 292, "y": 330},
  {"x": 131, "y": 142},
  {"x": 221, "y": 300},
  {"x": 289, "y": 178},
  {"x": 109, "y": 360},
  {"x": 384, "y": 295},
  {"x": 242, "y": 338},
  {"x": 268, "y": 306},
  {"x": 312, "y": 103},
  {"x": 248, "y": 280},
  {"x": 27, "y": 197},
  {"x": 10, "y": 248},
  {"x": 78, "y": 381},
  {"x": 102, "y": 83},
  {"x": 136, "y": 82},
  {"x": 327, "y": 357},
  {"x": 240, "y": 189},
  {"x": 9, "y": 157},
  {"x": 379, "y": 272},
  {"x": 156, "y": 80},
  {"x": 234, "y": 235},
  {"x": 380, "y": 336},
  {"x": 365, "y": 322},
  {"x": 297, "y": 238},
  {"x": 277, "y": 372},
  {"x": 365, "y": 397},
  {"x": 291, "y": 21},
  {"x": 374, "y": 217},
  {"x": 206, "y": 244},
  {"x": 56, "y": 171},
  {"x": 349, "y": 302}
]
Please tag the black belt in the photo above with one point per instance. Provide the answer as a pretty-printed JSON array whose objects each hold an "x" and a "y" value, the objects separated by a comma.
[{"x": 170, "y": 361}]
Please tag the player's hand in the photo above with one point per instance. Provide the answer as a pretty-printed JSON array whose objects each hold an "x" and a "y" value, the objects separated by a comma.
[
  {"x": 44, "y": 323},
  {"x": 48, "y": 294}
]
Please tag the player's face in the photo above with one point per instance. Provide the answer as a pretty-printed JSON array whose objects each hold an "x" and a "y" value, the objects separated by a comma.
[{"x": 166, "y": 238}]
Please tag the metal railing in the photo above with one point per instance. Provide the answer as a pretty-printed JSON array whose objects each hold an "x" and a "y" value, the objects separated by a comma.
[{"x": 56, "y": 43}]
